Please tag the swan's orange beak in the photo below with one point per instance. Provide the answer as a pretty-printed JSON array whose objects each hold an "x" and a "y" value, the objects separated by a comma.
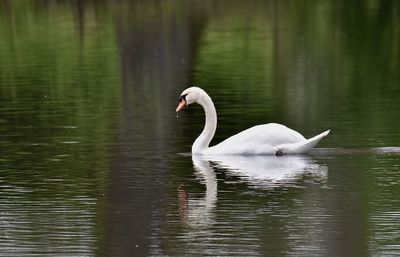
[{"x": 181, "y": 105}]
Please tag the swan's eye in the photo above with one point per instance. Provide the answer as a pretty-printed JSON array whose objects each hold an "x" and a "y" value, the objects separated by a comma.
[{"x": 182, "y": 97}]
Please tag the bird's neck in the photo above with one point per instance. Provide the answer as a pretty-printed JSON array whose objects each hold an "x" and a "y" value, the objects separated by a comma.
[{"x": 203, "y": 141}]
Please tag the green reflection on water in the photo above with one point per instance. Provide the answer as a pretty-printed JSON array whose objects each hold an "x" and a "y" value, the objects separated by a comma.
[
  {"x": 59, "y": 81},
  {"x": 310, "y": 65},
  {"x": 59, "y": 103}
]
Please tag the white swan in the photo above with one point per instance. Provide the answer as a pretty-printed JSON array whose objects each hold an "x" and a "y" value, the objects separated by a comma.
[{"x": 271, "y": 138}]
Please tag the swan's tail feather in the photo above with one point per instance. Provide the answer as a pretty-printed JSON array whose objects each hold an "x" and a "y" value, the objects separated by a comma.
[{"x": 307, "y": 145}]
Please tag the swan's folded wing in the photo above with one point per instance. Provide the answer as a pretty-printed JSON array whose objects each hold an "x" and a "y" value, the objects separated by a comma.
[{"x": 261, "y": 139}]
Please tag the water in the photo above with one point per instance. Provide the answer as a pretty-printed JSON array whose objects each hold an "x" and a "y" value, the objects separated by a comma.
[{"x": 94, "y": 161}]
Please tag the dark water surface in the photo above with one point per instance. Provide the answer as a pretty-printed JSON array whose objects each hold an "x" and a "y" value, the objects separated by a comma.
[{"x": 94, "y": 161}]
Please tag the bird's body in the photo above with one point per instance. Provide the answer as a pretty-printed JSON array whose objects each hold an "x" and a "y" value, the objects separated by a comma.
[
  {"x": 260, "y": 139},
  {"x": 271, "y": 138}
]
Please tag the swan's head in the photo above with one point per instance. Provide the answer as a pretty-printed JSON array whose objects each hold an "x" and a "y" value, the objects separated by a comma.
[{"x": 190, "y": 95}]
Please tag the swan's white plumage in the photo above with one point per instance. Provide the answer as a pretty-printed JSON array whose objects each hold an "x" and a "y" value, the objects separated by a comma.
[{"x": 269, "y": 138}]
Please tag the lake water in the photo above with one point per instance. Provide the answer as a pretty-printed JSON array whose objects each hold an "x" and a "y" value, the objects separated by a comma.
[{"x": 95, "y": 162}]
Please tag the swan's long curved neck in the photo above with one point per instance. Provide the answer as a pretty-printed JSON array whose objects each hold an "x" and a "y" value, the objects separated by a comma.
[{"x": 203, "y": 141}]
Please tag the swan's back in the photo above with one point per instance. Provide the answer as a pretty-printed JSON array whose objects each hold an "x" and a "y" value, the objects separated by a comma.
[{"x": 261, "y": 139}]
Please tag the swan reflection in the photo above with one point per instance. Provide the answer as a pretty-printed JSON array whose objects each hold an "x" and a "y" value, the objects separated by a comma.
[
  {"x": 256, "y": 171},
  {"x": 199, "y": 212},
  {"x": 267, "y": 171}
]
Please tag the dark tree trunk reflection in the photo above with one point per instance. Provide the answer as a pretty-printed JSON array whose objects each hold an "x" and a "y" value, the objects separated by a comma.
[{"x": 155, "y": 42}]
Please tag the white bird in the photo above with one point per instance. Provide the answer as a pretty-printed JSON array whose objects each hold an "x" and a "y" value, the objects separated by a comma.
[{"x": 268, "y": 139}]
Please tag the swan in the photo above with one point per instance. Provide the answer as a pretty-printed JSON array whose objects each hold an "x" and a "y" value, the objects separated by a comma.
[{"x": 266, "y": 139}]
